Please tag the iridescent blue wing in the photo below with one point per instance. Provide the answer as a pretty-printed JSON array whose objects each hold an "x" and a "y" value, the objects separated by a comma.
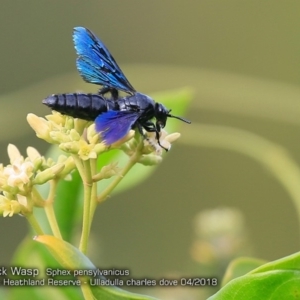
[
  {"x": 114, "y": 125},
  {"x": 95, "y": 64}
]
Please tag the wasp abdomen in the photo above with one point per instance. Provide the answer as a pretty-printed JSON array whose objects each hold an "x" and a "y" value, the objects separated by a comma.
[{"x": 83, "y": 106}]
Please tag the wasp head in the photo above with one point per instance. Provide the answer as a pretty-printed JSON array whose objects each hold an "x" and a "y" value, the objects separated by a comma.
[{"x": 161, "y": 115}]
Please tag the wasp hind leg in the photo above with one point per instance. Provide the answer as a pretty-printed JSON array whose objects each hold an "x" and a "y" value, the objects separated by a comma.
[{"x": 114, "y": 92}]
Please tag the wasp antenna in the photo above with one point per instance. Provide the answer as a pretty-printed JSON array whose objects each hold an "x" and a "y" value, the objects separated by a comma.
[{"x": 179, "y": 118}]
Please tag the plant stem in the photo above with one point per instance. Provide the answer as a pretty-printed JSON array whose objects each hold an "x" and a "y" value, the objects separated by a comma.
[
  {"x": 80, "y": 167},
  {"x": 87, "y": 185},
  {"x": 87, "y": 170},
  {"x": 34, "y": 224},
  {"x": 86, "y": 291},
  {"x": 93, "y": 205},
  {"x": 96, "y": 200},
  {"x": 49, "y": 210},
  {"x": 132, "y": 161}
]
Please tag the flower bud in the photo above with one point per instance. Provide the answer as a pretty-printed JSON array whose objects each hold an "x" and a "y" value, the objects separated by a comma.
[
  {"x": 22, "y": 200},
  {"x": 150, "y": 160},
  {"x": 40, "y": 126},
  {"x": 13, "y": 153},
  {"x": 171, "y": 138},
  {"x": 74, "y": 135},
  {"x": 80, "y": 125},
  {"x": 48, "y": 174},
  {"x": 69, "y": 165},
  {"x": 92, "y": 136},
  {"x": 37, "y": 164},
  {"x": 99, "y": 148},
  {"x": 70, "y": 147},
  {"x": 69, "y": 124},
  {"x": 59, "y": 137},
  {"x": 35, "y": 157},
  {"x": 107, "y": 172},
  {"x": 56, "y": 118},
  {"x": 33, "y": 154}
]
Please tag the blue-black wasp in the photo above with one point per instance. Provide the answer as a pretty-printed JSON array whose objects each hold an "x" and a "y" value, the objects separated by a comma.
[{"x": 113, "y": 116}]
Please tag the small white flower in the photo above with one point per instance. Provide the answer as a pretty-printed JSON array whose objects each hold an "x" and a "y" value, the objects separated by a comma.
[
  {"x": 18, "y": 173},
  {"x": 86, "y": 151},
  {"x": 9, "y": 207}
]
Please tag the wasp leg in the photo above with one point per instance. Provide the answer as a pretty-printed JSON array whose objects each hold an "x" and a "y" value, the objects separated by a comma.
[
  {"x": 114, "y": 92},
  {"x": 140, "y": 129},
  {"x": 150, "y": 127}
]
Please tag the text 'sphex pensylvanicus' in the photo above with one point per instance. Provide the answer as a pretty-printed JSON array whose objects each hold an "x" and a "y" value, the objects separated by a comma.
[{"x": 114, "y": 116}]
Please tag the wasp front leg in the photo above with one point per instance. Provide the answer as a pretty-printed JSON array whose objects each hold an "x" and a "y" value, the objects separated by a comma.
[{"x": 150, "y": 127}]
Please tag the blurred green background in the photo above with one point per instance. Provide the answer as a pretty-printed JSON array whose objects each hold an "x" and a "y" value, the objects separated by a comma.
[{"x": 242, "y": 59}]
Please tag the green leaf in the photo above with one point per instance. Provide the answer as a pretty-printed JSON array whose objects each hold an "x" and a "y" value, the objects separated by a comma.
[
  {"x": 66, "y": 254},
  {"x": 3, "y": 293},
  {"x": 291, "y": 262},
  {"x": 240, "y": 267},
  {"x": 72, "y": 259},
  {"x": 275, "y": 280},
  {"x": 34, "y": 255}
]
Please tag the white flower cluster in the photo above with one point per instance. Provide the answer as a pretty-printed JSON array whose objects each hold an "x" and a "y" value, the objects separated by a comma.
[{"x": 17, "y": 180}]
